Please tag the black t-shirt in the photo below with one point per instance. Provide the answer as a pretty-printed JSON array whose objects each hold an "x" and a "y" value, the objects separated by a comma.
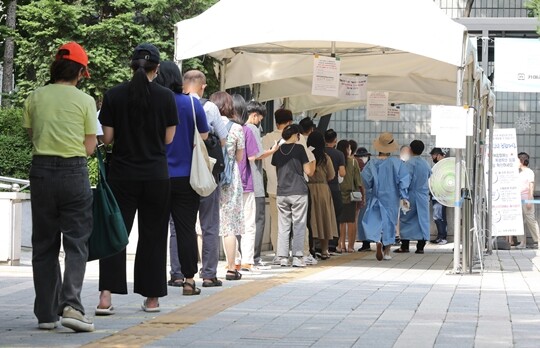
[
  {"x": 338, "y": 159},
  {"x": 139, "y": 150},
  {"x": 289, "y": 161}
]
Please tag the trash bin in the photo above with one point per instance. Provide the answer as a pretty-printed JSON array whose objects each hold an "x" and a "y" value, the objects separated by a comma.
[{"x": 10, "y": 226}]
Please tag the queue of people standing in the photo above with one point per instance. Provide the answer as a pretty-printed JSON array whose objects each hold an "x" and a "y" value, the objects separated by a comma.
[{"x": 323, "y": 192}]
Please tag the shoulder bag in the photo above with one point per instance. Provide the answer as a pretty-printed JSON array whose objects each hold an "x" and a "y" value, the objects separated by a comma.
[
  {"x": 356, "y": 196},
  {"x": 109, "y": 235},
  {"x": 201, "y": 179}
]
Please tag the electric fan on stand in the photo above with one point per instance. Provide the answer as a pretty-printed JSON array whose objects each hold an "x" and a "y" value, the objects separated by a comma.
[{"x": 442, "y": 182}]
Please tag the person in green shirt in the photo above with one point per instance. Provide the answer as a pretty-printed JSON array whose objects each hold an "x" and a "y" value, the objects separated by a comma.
[{"x": 61, "y": 121}]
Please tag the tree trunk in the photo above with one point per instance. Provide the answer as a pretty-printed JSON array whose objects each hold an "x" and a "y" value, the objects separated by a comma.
[
  {"x": 9, "y": 51},
  {"x": 468, "y": 8}
]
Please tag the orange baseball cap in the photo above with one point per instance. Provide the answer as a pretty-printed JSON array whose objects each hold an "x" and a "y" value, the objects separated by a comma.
[{"x": 75, "y": 53}]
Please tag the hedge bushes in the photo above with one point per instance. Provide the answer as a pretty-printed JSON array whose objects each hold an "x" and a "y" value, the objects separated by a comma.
[
  {"x": 15, "y": 145},
  {"x": 16, "y": 148}
]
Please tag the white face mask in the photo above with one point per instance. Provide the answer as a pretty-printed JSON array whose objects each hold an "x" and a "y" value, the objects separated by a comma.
[
  {"x": 405, "y": 157},
  {"x": 364, "y": 159}
]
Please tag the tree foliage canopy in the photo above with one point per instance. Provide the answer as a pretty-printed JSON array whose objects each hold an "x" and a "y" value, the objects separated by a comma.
[{"x": 107, "y": 29}]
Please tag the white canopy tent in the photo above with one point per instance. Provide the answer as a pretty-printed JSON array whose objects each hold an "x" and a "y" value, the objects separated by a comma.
[{"x": 408, "y": 48}]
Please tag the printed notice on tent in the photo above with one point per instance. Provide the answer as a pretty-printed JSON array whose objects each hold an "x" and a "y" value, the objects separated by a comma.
[
  {"x": 325, "y": 76},
  {"x": 449, "y": 125},
  {"x": 353, "y": 87},
  {"x": 377, "y": 105},
  {"x": 394, "y": 114},
  {"x": 506, "y": 195}
]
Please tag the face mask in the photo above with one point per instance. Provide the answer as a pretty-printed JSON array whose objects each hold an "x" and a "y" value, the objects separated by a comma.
[
  {"x": 364, "y": 159},
  {"x": 405, "y": 157},
  {"x": 435, "y": 160}
]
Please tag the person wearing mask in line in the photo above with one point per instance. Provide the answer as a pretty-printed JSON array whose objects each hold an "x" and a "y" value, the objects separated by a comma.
[
  {"x": 362, "y": 157},
  {"x": 194, "y": 84},
  {"x": 255, "y": 113},
  {"x": 140, "y": 118},
  {"x": 245, "y": 257},
  {"x": 388, "y": 180},
  {"x": 60, "y": 120},
  {"x": 338, "y": 160},
  {"x": 415, "y": 222},
  {"x": 231, "y": 213},
  {"x": 439, "y": 210},
  {"x": 291, "y": 162},
  {"x": 307, "y": 126},
  {"x": 351, "y": 182},
  {"x": 404, "y": 155},
  {"x": 526, "y": 180},
  {"x": 322, "y": 208},
  {"x": 184, "y": 200},
  {"x": 283, "y": 118}
]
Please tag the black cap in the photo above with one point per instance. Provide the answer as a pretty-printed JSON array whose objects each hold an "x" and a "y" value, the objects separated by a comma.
[
  {"x": 147, "y": 52},
  {"x": 362, "y": 152},
  {"x": 437, "y": 151}
]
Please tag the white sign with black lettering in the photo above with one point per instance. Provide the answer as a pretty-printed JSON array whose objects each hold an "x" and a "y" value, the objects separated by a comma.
[{"x": 517, "y": 65}]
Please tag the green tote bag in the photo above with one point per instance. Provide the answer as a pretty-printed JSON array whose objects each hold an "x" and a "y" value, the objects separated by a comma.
[{"x": 109, "y": 235}]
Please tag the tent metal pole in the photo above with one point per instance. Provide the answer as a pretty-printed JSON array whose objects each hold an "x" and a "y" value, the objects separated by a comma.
[
  {"x": 491, "y": 123},
  {"x": 222, "y": 73}
]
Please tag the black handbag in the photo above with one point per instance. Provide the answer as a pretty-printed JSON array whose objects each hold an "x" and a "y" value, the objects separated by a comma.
[{"x": 109, "y": 235}]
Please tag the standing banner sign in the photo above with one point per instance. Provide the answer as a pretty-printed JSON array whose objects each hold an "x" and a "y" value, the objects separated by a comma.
[
  {"x": 506, "y": 206},
  {"x": 517, "y": 65}
]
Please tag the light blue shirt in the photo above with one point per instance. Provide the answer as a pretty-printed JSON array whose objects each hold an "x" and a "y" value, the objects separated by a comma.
[{"x": 214, "y": 118}]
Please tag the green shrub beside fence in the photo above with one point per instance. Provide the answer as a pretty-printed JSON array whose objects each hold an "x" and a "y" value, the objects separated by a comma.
[{"x": 15, "y": 145}]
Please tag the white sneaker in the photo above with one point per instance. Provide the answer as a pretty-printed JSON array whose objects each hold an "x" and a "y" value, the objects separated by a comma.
[
  {"x": 276, "y": 260},
  {"x": 48, "y": 326},
  {"x": 298, "y": 262},
  {"x": 310, "y": 260},
  {"x": 284, "y": 262},
  {"x": 262, "y": 266},
  {"x": 442, "y": 242},
  {"x": 76, "y": 321},
  {"x": 387, "y": 257}
]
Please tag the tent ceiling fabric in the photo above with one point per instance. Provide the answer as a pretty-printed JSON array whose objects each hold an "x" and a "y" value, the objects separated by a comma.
[{"x": 409, "y": 48}]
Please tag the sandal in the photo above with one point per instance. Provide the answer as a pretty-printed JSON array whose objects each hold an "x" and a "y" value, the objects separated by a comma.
[
  {"x": 176, "y": 282},
  {"x": 233, "y": 275},
  {"x": 350, "y": 250},
  {"x": 191, "y": 289},
  {"x": 325, "y": 256},
  {"x": 211, "y": 282}
]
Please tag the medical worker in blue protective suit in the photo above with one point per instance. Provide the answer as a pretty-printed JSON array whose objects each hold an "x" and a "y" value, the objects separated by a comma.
[
  {"x": 415, "y": 223},
  {"x": 389, "y": 181}
]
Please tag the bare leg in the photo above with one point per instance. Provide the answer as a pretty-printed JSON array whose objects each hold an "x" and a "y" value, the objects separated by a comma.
[
  {"x": 105, "y": 299},
  {"x": 351, "y": 236},
  {"x": 342, "y": 233},
  {"x": 229, "y": 243},
  {"x": 324, "y": 246}
]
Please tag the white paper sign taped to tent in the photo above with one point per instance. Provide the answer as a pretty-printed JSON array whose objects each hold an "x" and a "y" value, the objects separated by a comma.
[
  {"x": 325, "y": 76},
  {"x": 506, "y": 198},
  {"x": 449, "y": 125},
  {"x": 353, "y": 87},
  {"x": 394, "y": 113},
  {"x": 377, "y": 105}
]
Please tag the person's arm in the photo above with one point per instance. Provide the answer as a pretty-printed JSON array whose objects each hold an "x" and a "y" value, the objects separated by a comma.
[
  {"x": 90, "y": 143},
  {"x": 169, "y": 134},
  {"x": 108, "y": 135},
  {"x": 531, "y": 194},
  {"x": 342, "y": 172},
  {"x": 309, "y": 168},
  {"x": 269, "y": 152},
  {"x": 204, "y": 136},
  {"x": 214, "y": 120},
  {"x": 239, "y": 155},
  {"x": 202, "y": 122}
]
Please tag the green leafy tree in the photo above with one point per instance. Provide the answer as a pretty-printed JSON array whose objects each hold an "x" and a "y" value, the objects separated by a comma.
[
  {"x": 534, "y": 10},
  {"x": 15, "y": 145},
  {"x": 108, "y": 30}
]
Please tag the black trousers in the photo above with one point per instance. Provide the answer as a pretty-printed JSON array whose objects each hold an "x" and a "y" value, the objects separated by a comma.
[
  {"x": 184, "y": 207},
  {"x": 405, "y": 244},
  {"x": 338, "y": 207},
  {"x": 151, "y": 199}
]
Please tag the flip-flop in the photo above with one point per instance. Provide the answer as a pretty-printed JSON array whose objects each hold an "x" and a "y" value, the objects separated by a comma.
[
  {"x": 149, "y": 310},
  {"x": 105, "y": 311}
]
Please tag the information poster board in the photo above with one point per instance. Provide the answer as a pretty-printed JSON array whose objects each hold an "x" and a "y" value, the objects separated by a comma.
[
  {"x": 517, "y": 65},
  {"x": 506, "y": 205},
  {"x": 449, "y": 125},
  {"x": 353, "y": 87},
  {"x": 377, "y": 105},
  {"x": 325, "y": 76}
]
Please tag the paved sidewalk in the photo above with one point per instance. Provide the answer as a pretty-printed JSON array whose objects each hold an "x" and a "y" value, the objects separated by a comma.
[{"x": 348, "y": 301}]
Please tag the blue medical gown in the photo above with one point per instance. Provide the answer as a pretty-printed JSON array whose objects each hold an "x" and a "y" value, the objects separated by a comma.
[
  {"x": 415, "y": 224},
  {"x": 361, "y": 234},
  {"x": 388, "y": 180}
]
